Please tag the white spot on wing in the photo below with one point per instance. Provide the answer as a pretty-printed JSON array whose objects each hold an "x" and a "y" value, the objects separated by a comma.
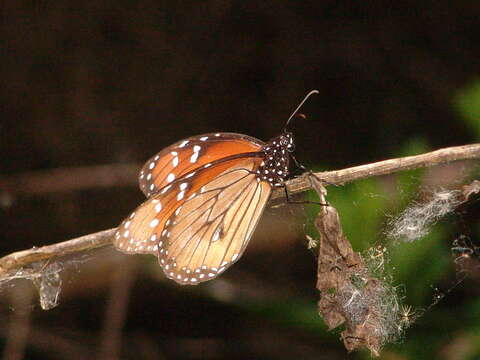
[
  {"x": 152, "y": 165},
  {"x": 171, "y": 177},
  {"x": 158, "y": 207},
  {"x": 216, "y": 234},
  {"x": 184, "y": 142},
  {"x": 154, "y": 223},
  {"x": 194, "y": 157},
  {"x": 180, "y": 195},
  {"x": 175, "y": 161},
  {"x": 203, "y": 138}
]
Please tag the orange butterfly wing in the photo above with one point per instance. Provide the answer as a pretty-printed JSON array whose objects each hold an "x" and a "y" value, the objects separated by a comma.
[
  {"x": 190, "y": 154},
  {"x": 205, "y": 200}
]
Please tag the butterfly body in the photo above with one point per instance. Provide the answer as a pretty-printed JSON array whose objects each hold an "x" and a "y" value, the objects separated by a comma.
[
  {"x": 274, "y": 169},
  {"x": 205, "y": 196}
]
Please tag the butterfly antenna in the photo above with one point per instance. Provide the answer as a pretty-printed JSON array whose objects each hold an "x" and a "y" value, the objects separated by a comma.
[{"x": 298, "y": 107}]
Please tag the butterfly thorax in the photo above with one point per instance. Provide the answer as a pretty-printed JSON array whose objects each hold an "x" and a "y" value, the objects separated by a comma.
[{"x": 274, "y": 168}]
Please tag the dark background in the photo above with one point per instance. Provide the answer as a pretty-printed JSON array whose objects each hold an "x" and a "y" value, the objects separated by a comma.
[{"x": 113, "y": 82}]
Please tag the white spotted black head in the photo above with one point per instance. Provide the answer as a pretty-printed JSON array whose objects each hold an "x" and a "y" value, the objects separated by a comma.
[{"x": 274, "y": 168}]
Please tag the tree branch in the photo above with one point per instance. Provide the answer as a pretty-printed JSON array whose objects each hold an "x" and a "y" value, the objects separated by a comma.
[
  {"x": 18, "y": 260},
  {"x": 385, "y": 167}
]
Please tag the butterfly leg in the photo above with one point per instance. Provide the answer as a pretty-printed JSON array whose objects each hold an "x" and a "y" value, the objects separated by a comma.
[
  {"x": 290, "y": 201},
  {"x": 297, "y": 163}
]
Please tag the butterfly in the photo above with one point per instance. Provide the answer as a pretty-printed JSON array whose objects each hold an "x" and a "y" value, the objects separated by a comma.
[{"x": 205, "y": 196}]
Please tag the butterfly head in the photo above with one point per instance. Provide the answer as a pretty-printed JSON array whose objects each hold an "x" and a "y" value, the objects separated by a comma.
[{"x": 286, "y": 141}]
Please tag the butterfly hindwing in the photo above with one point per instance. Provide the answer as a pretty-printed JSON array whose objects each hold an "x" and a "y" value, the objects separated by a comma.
[
  {"x": 211, "y": 230},
  {"x": 198, "y": 225}
]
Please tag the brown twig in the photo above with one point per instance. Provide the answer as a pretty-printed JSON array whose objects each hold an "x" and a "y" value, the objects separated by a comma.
[
  {"x": 385, "y": 167},
  {"x": 17, "y": 260}
]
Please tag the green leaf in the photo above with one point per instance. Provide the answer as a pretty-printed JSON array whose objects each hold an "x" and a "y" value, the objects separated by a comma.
[{"x": 467, "y": 104}]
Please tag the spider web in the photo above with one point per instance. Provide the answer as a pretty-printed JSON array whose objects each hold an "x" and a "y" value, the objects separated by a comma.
[{"x": 46, "y": 276}]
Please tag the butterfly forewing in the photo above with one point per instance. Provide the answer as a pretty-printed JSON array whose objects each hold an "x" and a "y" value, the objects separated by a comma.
[{"x": 187, "y": 155}]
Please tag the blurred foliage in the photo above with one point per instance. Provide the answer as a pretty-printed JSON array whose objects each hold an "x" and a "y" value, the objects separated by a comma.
[
  {"x": 419, "y": 265},
  {"x": 361, "y": 206},
  {"x": 294, "y": 313},
  {"x": 467, "y": 103}
]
